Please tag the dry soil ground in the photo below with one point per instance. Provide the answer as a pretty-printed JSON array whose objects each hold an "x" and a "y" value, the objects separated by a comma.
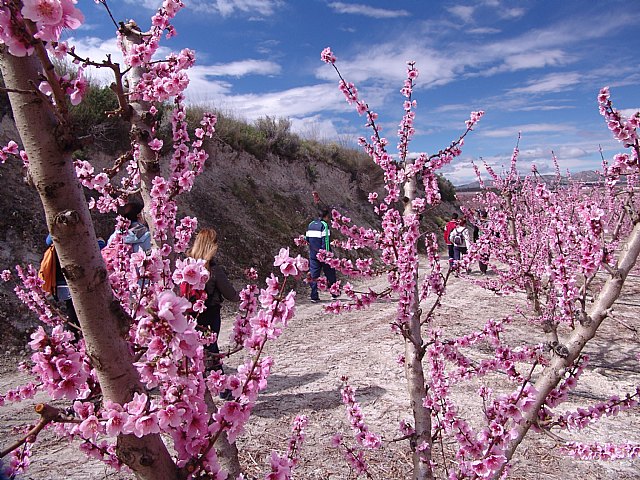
[{"x": 318, "y": 348}]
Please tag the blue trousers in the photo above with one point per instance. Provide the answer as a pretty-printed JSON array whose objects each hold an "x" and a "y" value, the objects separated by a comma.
[
  {"x": 459, "y": 252},
  {"x": 316, "y": 267}
]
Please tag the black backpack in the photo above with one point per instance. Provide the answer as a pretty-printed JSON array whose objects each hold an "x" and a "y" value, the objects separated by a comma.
[{"x": 458, "y": 238}]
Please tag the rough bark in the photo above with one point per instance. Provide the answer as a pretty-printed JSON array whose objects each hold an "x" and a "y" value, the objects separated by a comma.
[
  {"x": 68, "y": 219},
  {"x": 414, "y": 371},
  {"x": 148, "y": 162}
]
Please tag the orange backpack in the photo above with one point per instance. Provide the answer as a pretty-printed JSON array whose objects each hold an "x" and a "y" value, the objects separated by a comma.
[{"x": 47, "y": 271}]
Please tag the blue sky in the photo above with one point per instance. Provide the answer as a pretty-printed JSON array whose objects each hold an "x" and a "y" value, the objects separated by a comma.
[{"x": 533, "y": 66}]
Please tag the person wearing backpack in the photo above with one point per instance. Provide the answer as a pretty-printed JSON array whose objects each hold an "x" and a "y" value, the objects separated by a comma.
[
  {"x": 450, "y": 225},
  {"x": 137, "y": 235},
  {"x": 218, "y": 288},
  {"x": 56, "y": 285},
  {"x": 460, "y": 239},
  {"x": 318, "y": 237},
  {"x": 60, "y": 290}
]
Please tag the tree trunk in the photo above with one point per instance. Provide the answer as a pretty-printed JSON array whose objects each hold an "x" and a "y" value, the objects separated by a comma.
[
  {"x": 148, "y": 161},
  {"x": 414, "y": 371},
  {"x": 101, "y": 318}
]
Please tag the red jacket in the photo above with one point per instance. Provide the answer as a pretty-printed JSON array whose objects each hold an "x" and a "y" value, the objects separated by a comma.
[{"x": 451, "y": 224}]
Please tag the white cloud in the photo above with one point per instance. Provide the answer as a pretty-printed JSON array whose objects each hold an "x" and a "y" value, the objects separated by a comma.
[
  {"x": 534, "y": 59},
  {"x": 315, "y": 128},
  {"x": 148, "y": 4},
  {"x": 541, "y": 108},
  {"x": 553, "y": 82},
  {"x": 464, "y": 13},
  {"x": 452, "y": 107},
  {"x": 441, "y": 63},
  {"x": 96, "y": 49},
  {"x": 266, "y": 47},
  {"x": 366, "y": 10},
  {"x": 239, "y": 68},
  {"x": 511, "y": 13},
  {"x": 483, "y": 31},
  {"x": 226, "y": 8},
  {"x": 203, "y": 89},
  {"x": 629, "y": 112},
  {"x": 295, "y": 102},
  {"x": 385, "y": 65},
  {"x": 512, "y": 131}
]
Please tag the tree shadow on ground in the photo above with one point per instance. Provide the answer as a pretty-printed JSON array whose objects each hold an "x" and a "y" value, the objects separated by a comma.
[
  {"x": 277, "y": 383},
  {"x": 285, "y": 404}
]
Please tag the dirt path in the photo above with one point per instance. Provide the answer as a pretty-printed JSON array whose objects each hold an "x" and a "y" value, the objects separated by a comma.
[{"x": 318, "y": 348}]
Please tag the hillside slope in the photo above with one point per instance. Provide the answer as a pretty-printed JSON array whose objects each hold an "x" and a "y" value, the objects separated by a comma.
[{"x": 257, "y": 205}]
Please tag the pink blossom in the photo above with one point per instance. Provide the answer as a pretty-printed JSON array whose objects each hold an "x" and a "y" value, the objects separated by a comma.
[
  {"x": 145, "y": 425},
  {"x": 90, "y": 427},
  {"x": 327, "y": 56},
  {"x": 138, "y": 404},
  {"x": 47, "y": 12},
  {"x": 51, "y": 16},
  {"x": 288, "y": 266},
  {"x": 116, "y": 419},
  {"x": 68, "y": 367},
  {"x": 171, "y": 308},
  {"x": 78, "y": 88},
  {"x": 171, "y": 416},
  {"x": 155, "y": 144}
]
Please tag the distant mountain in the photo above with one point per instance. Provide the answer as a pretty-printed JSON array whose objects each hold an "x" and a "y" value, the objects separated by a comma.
[{"x": 584, "y": 176}]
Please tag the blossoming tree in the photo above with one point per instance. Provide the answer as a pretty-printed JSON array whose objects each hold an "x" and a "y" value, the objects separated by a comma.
[
  {"x": 138, "y": 334},
  {"x": 556, "y": 242},
  {"x": 550, "y": 242}
]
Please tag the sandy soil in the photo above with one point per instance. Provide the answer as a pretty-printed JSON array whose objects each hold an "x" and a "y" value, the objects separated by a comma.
[{"x": 318, "y": 348}]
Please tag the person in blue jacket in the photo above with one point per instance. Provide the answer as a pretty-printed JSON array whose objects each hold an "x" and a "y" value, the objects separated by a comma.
[
  {"x": 138, "y": 235},
  {"x": 319, "y": 238}
]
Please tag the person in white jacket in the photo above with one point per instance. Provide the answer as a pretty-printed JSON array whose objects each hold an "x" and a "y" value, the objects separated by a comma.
[{"x": 460, "y": 239}]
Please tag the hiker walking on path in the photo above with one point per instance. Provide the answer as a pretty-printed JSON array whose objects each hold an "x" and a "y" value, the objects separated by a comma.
[
  {"x": 218, "y": 288},
  {"x": 460, "y": 239},
  {"x": 138, "y": 235},
  {"x": 60, "y": 290},
  {"x": 319, "y": 238},
  {"x": 55, "y": 284},
  {"x": 451, "y": 224}
]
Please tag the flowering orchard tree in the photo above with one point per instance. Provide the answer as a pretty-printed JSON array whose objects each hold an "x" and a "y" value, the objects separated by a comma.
[
  {"x": 556, "y": 242},
  {"x": 138, "y": 335},
  {"x": 411, "y": 186},
  {"x": 549, "y": 241}
]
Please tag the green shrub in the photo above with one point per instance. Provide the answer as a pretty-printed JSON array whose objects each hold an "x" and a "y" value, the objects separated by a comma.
[
  {"x": 312, "y": 173},
  {"x": 239, "y": 135},
  {"x": 349, "y": 159},
  {"x": 447, "y": 190},
  {"x": 280, "y": 139},
  {"x": 89, "y": 119}
]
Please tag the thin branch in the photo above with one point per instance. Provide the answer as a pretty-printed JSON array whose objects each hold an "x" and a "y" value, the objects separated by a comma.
[{"x": 48, "y": 414}]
